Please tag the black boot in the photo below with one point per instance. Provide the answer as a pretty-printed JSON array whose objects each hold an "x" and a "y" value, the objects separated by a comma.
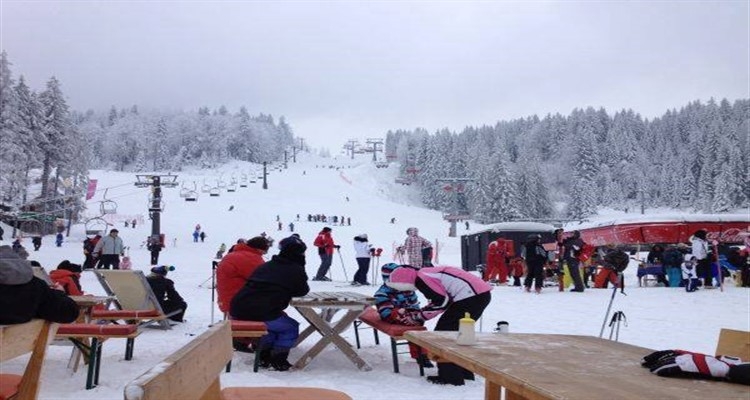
[
  {"x": 264, "y": 358},
  {"x": 448, "y": 374},
  {"x": 279, "y": 360}
]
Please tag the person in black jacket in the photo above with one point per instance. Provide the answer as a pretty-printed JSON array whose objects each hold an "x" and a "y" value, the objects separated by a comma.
[
  {"x": 571, "y": 250},
  {"x": 535, "y": 257},
  {"x": 267, "y": 294},
  {"x": 24, "y": 297},
  {"x": 163, "y": 288}
]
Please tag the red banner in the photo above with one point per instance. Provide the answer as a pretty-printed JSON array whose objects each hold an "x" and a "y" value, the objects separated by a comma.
[{"x": 91, "y": 189}]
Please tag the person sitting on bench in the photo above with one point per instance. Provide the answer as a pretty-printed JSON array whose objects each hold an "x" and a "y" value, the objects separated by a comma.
[
  {"x": 267, "y": 294},
  {"x": 68, "y": 276},
  {"x": 24, "y": 297},
  {"x": 163, "y": 288}
]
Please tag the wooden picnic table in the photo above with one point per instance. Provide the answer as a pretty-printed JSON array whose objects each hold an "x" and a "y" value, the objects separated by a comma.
[
  {"x": 545, "y": 366},
  {"x": 319, "y": 308},
  {"x": 85, "y": 305}
]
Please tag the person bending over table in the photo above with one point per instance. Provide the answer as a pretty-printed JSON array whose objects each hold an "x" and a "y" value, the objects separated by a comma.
[
  {"x": 68, "y": 276},
  {"x": 452, "y": 292},
  {"x": 400, "y": 308},
  {"x": 267, "y": 294}
]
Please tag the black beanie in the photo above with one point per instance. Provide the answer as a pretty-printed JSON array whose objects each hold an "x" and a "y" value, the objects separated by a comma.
[{"x": 258, "y": 242}]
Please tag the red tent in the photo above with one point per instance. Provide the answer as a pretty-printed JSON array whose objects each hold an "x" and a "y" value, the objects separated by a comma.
[{"x": 725, "y": 229}]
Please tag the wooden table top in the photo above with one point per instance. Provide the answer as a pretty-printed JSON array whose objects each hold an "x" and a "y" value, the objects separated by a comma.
[
  {"x": 328, "y": 299},
  {"x": 544, "y": 366},
  {"x": 90, "y": 301}
]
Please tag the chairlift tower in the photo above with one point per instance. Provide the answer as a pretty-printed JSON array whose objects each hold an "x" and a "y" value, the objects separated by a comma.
[
  {"x": 350, "y": 146},
  {"x": 265, "y": 174},
  {"x": 156, "y": 182},
  {"x": 375, "y": 143},
  {"x": 455, "y": 186}
]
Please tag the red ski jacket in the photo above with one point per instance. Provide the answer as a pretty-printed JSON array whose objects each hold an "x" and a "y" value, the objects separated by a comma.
[{"x": 234, "y": 270}]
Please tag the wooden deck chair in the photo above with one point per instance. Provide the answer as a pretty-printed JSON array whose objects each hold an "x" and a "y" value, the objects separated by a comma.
[
  {"x": 734, "y": 343},
  {"x": 42, "y": 274},
  {"x": 133, "y": 297},
  {"x": 193, "y": 372},
  {"x": 20, "y": 339}
]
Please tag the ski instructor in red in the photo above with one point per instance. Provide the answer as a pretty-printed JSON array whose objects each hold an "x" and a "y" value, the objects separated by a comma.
[{"x": 324, "y": 243}]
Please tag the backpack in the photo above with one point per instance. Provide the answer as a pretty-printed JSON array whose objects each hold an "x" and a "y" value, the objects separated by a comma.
[{"x": 617, "y": 260}]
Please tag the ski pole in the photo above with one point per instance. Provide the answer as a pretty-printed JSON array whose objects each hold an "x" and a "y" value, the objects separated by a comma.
[
  {"x": 214, "y": 264},
  {"x": 372, "y": 271},
  {"x": 341, "y": 258}
]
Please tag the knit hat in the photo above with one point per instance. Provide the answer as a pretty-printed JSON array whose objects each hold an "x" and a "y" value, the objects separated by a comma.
[
  {"x": 387, "y": 269},
  {"x": 162, "y": 269},
  {"x": 258, "y": 242},
  {"x": 13, "y": 269},
  {"x": 292, "y": 245},
  {"x": 402, "y": 279},
  {"x": 326, "y": 229},
  {"x": 68, "y": 266}
]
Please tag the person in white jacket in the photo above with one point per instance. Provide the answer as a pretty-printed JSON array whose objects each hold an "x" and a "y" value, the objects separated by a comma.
[
  {"x": 108, "y": 250},
  {"x": 700, "y": 252},
  {"x": 363, "y": 251}
]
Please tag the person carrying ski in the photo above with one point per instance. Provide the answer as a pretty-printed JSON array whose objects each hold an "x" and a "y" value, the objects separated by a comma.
[
  {"x": 325, "y": 244},
  {"x": 413, "y": 246},
  {"x": 452, "y": 292},
  {"x": 363, "y": 251}
]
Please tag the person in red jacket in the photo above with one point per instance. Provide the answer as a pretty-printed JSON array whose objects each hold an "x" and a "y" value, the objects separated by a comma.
[
  {"x": 68, "y": 276},
  {"x": 234, "y": 269},
  {"x": 497, "y": 270},
  {"x": 324, "y": 243}
]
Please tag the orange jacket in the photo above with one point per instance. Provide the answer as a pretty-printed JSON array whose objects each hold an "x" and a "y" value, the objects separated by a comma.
[
  {"x": 234, "y": 270},
  {"x": 68, "y": 280},
  {"x": 496, "y": 253}
]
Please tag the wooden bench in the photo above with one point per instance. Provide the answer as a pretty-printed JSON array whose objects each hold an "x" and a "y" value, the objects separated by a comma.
[
  {"x": 81, "y": 333},
  {"x": 248, "y": 329},
  {"x": 193, "y": 373},
  {"x": 734, "y": 343},
  {"x": 17, "y": 340},
  {"x": 393, "y": 331}
]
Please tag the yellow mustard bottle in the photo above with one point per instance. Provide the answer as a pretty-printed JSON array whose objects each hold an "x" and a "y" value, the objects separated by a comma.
[{"x": 466, "y": 333}]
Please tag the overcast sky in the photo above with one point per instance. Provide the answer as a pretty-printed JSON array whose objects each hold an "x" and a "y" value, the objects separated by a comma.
[{"x": 355, "y": 69}]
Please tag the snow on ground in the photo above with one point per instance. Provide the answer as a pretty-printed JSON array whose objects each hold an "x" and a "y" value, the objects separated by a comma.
[{"x": 657, "y": 318}]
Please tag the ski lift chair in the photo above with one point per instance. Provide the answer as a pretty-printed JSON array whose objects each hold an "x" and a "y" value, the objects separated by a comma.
[
  {"x": 215, "y": 192},
  {"x": 192, "y": 196},
  {"x": 96, "y": 226},
  {"x": 232, "y": 188},
  {"x": 108, "y": 206}
]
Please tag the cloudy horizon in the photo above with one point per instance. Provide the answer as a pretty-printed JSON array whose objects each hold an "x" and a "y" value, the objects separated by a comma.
[{"x": 339, "y": 70}]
